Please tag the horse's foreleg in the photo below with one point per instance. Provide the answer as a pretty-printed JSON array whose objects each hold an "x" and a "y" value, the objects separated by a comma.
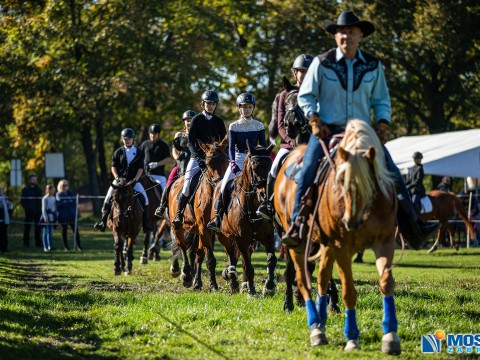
[
  {"x": 343, "y": 257},
  {"x": 186, "y": 271},
  {"x": 249, "y": 271},
  {"x": 325, "y": 269},
  {"x": 211, "y": 266},
  {"x": 271, "y": 283},
  {"x": 390, "y": 340},
  {"x": 440, "y": 233},
  {"x": 146, "y": 243},
  {"x": 192, "y": 253},
  {"x": 317, "y": 330},
  {"x": 118, "y": 248},
  {"x": 129, "y": 266},
  {"x": 230, "y": 272},
  {"x": 199, "y": 257}
]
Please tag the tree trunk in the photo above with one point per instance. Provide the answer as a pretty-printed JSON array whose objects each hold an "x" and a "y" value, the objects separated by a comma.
[
  {"x": 99, "y": 145},
  {"x": 90, "y": 158}
]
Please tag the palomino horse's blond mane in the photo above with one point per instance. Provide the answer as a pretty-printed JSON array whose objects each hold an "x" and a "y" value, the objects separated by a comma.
[{"x": 359, "y": 137}]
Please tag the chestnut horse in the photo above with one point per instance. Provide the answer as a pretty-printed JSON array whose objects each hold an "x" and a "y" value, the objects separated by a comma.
[
  {"x": 356, "y": 209},
  {"x": 198, "y": 213},
  {"x": 444, "y": 206},
  {"x": 125, "y": 220},
  {"x": 241, "y": 225}
]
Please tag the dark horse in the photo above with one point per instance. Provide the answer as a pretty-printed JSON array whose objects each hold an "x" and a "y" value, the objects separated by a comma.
[
  {"x": 444, "y": 206},
  {"x": 154, "y": 192},
  {"x": 198, "y": 213},
  {"x": 240, "y": 224},
  {"x": 296, "y": 125},
  {"x": 125, "y": 221},
  {"x": 356, "y": 209}
]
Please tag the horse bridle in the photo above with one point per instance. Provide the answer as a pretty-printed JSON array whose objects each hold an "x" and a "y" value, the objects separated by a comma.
[{"x": 213, "y": 182}]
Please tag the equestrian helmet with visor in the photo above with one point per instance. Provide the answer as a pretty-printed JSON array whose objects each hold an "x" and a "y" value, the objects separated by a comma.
[
  {"x": 127, "y": 133},
  {"x": 210, "y": 96},
  {"x": 245, "y": 98},
  {"x": 154, "y": 129},
  {"x": 188, "y": 114},
  {"x": 302, "y": 62},
  {"x": 417, "y": 155}
]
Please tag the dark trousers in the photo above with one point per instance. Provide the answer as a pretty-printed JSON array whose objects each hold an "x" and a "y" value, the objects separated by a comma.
[
  {"x": 65, "y": 224},
  {"x": 35, "y": 219},
  {"x": 3, "y": 237}
]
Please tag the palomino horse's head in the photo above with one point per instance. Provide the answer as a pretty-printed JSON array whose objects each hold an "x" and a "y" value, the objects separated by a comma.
[
  {"x": 122, "y": 202},
  {"x": 216, "y": 159},
  {"x": 361, "y": 173},
  {"x": 257, "y": 166}
]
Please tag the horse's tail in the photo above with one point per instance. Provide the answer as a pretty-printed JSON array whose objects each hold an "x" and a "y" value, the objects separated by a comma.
[{"x": 460, "y": 210}]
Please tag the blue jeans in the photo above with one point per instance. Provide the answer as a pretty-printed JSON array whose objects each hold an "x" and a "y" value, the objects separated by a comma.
[
  {"x": 47, "y": 236},
  {"x": 311, "y": 160}
]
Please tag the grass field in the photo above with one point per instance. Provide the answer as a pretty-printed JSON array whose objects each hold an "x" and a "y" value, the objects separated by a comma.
[{"x": 70, "y": 305}]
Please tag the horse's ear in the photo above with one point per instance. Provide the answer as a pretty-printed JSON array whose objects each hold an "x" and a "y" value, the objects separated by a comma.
[
  {"x": 344, "y": 154},
  {"x": 370, "y": 154},
  {"x": 224, "y": 142},
  {"x": 287, "y": 85},
  {"x": 270, "y": 147}
]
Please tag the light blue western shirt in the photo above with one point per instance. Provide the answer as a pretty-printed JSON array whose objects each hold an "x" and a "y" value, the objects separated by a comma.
[{"x": 339, "y": 89}]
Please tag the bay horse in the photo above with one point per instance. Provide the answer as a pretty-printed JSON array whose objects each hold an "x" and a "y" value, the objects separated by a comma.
[
  {"x": 356, "y": 209},
  {"x": 198, "y": 213},
  {"x": 444, "y": 205},
  {"x": 125, "y": 221},
  {"x": 241, "y": 225}
]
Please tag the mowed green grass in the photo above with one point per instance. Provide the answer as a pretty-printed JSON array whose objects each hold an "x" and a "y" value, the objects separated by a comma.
[{"x": 70, "y": 305}]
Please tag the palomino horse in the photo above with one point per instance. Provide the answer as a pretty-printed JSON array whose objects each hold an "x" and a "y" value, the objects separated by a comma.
[
  {"x": 125, "y": 221},
  {"x": 444, "y": 206},
  {"x": 240, "y": 224},
  {"x": 356, "y": 209},
  {"x": 154, "y": 192},
  {"x": 199, "y": 213}
]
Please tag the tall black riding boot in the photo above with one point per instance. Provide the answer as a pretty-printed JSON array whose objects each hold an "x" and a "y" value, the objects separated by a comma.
[
  {"x": 160, "y": 211},
  {"x": 182, "y": 203},
  {"x": 411, "y": 225},
  {"x": 102, "y": 224},
  {"x": 216, "y": 224},
  {"x": 266, "y": 210},
  {"x": 145, "y": 221}
]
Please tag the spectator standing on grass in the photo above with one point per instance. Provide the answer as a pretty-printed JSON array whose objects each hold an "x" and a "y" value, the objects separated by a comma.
[
  {"x": 49, "y": 216},
  {"x": 31, "y": 201},
  {"x": 6, "y": 208},
  {"x": 67, "y": 208}
]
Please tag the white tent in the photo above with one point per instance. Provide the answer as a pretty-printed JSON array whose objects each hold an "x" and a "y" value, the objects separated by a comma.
[{"x": 455, "y": 154}]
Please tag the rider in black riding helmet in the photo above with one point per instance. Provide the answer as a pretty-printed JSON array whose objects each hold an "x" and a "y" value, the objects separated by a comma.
[
  {"x": 208, "y": 128},
  {"x": 299, "y": 69},
  {"x": 127, "y": 163}
]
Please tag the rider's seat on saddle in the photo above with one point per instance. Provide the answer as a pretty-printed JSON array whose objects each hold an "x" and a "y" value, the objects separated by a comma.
[{"x": 194, "y": 185}]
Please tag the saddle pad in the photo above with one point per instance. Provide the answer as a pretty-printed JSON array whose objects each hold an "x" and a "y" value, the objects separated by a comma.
[
  {"x": 426, "y": 205},
  {"x": 293, "y": 171}
]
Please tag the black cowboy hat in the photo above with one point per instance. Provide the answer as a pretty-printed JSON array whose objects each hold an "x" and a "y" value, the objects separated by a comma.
[{"x": 348, "y": 18}]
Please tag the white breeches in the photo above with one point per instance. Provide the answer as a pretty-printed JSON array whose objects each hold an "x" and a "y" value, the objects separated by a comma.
[
  {"x": 192, "y": 169},
  {"x": 138, "y": 188},
  {"x": 276, "y": 163},
  {"x": 229, "y": 174}
]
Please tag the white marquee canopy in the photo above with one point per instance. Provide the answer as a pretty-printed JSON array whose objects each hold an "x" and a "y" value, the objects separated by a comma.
[{"x": 455, "y": 154}]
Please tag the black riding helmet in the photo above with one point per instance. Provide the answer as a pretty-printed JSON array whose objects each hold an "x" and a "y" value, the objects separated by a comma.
[
  {"x": 302, "y": 62},
  {"x": 127, "y": 133},
  {"x": 154, "y": 129},
  {"x": 245, "y": 98},
  {"x": 188, "y": 114},
  {"x": 210, "y": 96},
  {"x": 417, "y": 155}
]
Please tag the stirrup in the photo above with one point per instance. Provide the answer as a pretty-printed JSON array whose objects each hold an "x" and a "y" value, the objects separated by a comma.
[
  {"x": 213, "y": 225},
  {"x": 159, "y": 212},
  {"x": 99, "y": 225},
  {"x": 265, "y": 210}
]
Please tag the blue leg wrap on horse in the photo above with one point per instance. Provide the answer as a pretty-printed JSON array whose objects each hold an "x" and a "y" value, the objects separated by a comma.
[
  {"x": 313, "y": 320},
  {"x": 322, "y": 301},
  {"x": 351, "y": 331},
  {"x": 389, "y": 322}
]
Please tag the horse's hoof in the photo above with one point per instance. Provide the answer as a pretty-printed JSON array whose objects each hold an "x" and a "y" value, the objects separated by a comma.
[
  {"x": 352, "y": 345},
  {"x": 288, "y": 308},
  {"x": 268, "y": 292},
  {"x": 127, "y": 272},
  {"x": 213, "y": 288},
  {"x": 143, "y": 260},
  {"x": 117, "y": 272},
  {"x": 244, "y": 287},
  {"x": 318, "y": 337},
  {"x": 334, "y": 309},
  {"x": 187, "y": 284},
  {"x": 432, "y": 249},
  {"x": 225, "y": 274},
  {"x": 174, "y": 271},
  {"x": 197, "y": 286},
  {"x": 156, "y": 257},
  {"x": 391, "y": 343},
  {"x": 457, "y": 247},
  {"x": 252, "y": 294}
]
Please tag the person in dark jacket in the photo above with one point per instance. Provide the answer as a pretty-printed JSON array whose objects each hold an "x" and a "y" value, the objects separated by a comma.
[
  {"x": 127, "y": 163},
  {"x": 67, "y": 211},
  {"x": 157, "y": 155},
  {"x": 445, "y": 184},
  {"x": 31, "y": 201},
  {"x": 415, "y": 181},
  {"x": 6, "y": 209},
  {"x": 208, "y": 128}
]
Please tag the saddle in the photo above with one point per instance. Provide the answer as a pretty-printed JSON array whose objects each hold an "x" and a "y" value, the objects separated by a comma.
[
  {"x": 194, "y": 185},
  {"x": 156, "y": 187}
]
